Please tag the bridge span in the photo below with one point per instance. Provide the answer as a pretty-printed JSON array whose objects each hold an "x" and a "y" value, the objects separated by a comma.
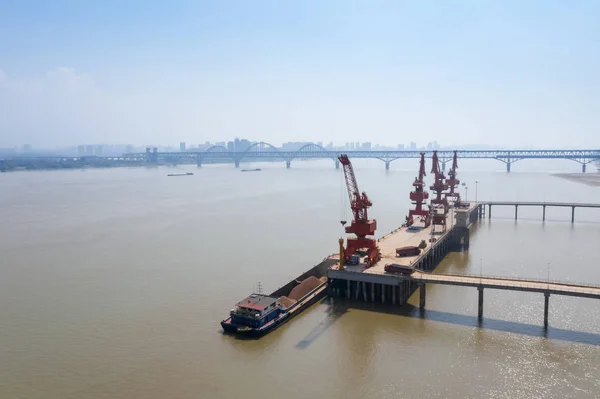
[{"x": 265, "y": 152}]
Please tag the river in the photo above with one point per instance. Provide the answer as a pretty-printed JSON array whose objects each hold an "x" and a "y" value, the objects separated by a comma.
[{"x": 113, "y": 283}]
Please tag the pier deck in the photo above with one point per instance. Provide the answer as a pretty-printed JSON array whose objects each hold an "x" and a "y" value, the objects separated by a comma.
[
  {"x": 401, "y": 237},
  {"x": 508, "y": 283}
]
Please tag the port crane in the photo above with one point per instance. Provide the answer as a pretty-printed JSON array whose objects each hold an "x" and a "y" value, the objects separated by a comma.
[
  {"x": 418, "y": 198},
  {"x": 452, "y": 181},
  {"x": 361, "y": 226},
  {"x": 439, "y": 186}
]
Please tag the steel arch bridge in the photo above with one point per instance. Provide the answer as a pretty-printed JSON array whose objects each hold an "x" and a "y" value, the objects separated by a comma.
[{"x": 263, "y": 151}]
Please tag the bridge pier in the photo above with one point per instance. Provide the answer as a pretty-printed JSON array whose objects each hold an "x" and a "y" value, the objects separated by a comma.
[
  {"x": 546, "y": 303},
  {"x": 337, "y": 164},
  {"x": 583, "y": 167},
  {"x": 480, "y": 307},
  {"x": 516, "y": 211},
  {"x": 422, "y": 293},
  {"x": 387, "y": 165},
  {"x": 508, "y": 166},
  {"x": 544, "y": 213},
  {"x": 199, "y": 161},
  {"x": 237, "y": 164},
  {"x": 288, "y": 164},
  {"x": 489, "y": 211},
  {"x": 572, "y": 214}
]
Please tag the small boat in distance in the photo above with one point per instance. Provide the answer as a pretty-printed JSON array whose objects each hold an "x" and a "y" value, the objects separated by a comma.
[
  {"x": 181, "y": 174},
  {"x": 251, "y": 170}
]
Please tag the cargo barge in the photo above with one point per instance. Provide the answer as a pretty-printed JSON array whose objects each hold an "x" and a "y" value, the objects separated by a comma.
[{"x": 259, "y": 314}]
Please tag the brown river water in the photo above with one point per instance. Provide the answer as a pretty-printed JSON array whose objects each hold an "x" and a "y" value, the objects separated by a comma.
[{"x": 113, "y": 283}]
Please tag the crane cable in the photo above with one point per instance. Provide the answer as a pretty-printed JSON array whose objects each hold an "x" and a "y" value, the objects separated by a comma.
[{"x": 343, "y": 197}]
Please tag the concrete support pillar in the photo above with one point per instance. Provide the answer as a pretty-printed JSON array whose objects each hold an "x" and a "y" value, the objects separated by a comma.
[
  {"x": 422, "y": 291},
  {"x": 489, "y": 211},
  {"x": 382, "y": 293},
  {"x": 372, "y": 292},
  {"x": 198, "y": 160},
  {"x": 544, "y": 213},
  {"x": 337, "y": 164},
  {"x": 237, "y": 164},
  {"x": 443, "y": 166},
  {"x": 348, "y": 289},
  {"x": 546, "y": 303},
  {"x": 516, "y": 211},
  {"x": 393, "y": 287},
  {"x": 480, "y": 307},
  {"x": 364, "y": 290},
  {"x": 572, "y": 214},
  {"x": 387, "y": 165},
  {"x": 583, "y": 167},
  {"x": 508, "y": 166},
  {"x": 288, "y": 164},
  {"x": 357, "y": 293}
]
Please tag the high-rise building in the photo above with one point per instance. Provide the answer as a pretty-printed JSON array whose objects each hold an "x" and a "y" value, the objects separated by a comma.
[
  {"x": 413, "y": 145},
  {"x": 400, "y": 147},
  {"x": 182, "y": 146}
]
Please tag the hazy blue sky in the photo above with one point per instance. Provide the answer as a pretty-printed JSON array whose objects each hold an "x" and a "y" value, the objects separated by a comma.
[{"x": 147, "y": 72}]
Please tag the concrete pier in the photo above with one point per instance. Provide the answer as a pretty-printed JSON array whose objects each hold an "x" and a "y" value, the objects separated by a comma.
[
  {"x": 544, "y": 213},
  {"x": 388, "y": 288},
  {"x": 396, "y": 288},
  {"x": 480, "y": 302}
]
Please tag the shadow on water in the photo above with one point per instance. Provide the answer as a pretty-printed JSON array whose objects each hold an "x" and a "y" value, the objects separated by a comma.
[
  {"x": 333, "y": 313},
  {"x": 532, "y": 330}
]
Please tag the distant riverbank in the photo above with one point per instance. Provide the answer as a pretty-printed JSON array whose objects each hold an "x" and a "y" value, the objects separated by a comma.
[{"x": 591, "y": 179}]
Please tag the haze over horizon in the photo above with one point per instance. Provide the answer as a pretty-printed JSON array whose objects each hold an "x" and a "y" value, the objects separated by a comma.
[{"x": 509, "y": 74}]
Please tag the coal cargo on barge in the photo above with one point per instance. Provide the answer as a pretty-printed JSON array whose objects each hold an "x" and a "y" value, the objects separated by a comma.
[{"x": 259, "y": 314}]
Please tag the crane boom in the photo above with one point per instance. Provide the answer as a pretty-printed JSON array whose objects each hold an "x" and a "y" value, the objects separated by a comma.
[{"x": 358, "y": 203}]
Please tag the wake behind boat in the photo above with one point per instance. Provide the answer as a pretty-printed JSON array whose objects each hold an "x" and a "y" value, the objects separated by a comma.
[
  {"x": 181, "y": 174},
  {"x": 251, "y": 170}
]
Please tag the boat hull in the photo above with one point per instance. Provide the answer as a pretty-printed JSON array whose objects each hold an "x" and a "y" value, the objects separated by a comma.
[{"x": 303, "y": 304}]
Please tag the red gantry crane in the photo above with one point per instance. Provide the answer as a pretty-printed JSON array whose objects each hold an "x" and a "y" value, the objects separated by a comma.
[
  {"x": 452, "y": 181},
  {"x": 361, "y": 226},
  {"x": 439, "y": 185},
  {"x": 418, "y": 197}
]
